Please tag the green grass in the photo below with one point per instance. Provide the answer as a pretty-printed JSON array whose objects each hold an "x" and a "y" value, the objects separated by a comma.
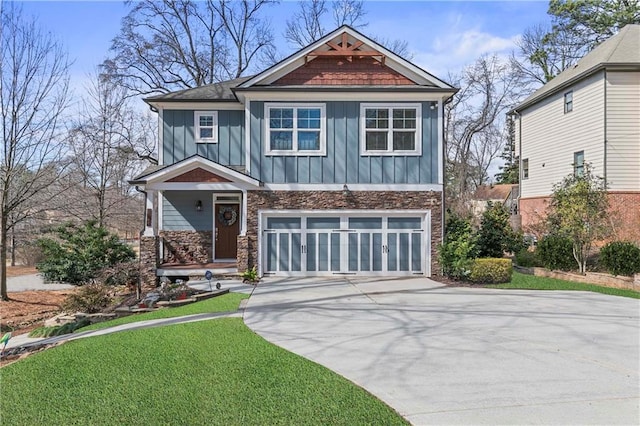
[
  {"x": 209, "y": 372},
  {"x": 225, "y": 303},
  {"x": 532, "y": 282}
]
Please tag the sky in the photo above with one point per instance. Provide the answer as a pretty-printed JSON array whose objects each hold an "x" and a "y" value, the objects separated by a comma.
[{"x": 443, "y": 36}]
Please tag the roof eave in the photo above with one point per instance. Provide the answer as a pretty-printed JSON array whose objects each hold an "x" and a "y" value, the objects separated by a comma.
[{"x": 575, "y": 79}]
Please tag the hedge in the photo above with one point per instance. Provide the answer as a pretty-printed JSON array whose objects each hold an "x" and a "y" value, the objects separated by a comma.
[{"x": 491, "y": 271}]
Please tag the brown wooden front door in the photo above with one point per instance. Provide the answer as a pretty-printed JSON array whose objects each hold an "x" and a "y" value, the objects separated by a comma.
[{"x": 227, "y": 222}]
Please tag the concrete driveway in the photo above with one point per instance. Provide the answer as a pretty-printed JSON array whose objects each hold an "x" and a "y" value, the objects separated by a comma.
[{"x": 442, "y": 355}]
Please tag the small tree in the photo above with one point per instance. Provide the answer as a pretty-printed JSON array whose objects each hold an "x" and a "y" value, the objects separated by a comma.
[
  {"x": 457, "y": 251},
  {"x": 496, "y": 236},
  {"x": 579, "y": 210},
  {"x": 78, "y": 253}
]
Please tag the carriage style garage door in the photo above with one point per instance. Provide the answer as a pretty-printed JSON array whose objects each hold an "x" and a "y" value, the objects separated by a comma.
[{"x": 370, "y": 243}]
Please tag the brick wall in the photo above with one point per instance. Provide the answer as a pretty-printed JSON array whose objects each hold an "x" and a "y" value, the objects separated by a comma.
[
  {"x": 187, "y": 246},
  {"x": 624, "y": 210},
  {"x": 340, "y": 71},
  {"x": 148, "y": 261},
  {"x": 336, "y": 200}
]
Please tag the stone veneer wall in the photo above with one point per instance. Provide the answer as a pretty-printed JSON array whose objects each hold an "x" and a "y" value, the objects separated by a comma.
[
  {"x": 623, "y": 206},
  {"x": 336, "y": 200},
  {"x": 187, "y": 246},
  {"x": 148, "y": 261}
]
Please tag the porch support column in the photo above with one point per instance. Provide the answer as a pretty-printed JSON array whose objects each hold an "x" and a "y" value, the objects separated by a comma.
[
  {"x": 149, "y": 243},
  {"x": 242, "y": 257},
  {"x": 151, "y": 216},
  {"x": 243, "y": 213}
]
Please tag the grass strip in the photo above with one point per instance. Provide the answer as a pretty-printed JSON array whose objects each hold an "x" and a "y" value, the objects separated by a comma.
[
  {"x": 225, "y": 303},
  {"x": 532, "y": 282},
  {"x": 210, "y": 372}
]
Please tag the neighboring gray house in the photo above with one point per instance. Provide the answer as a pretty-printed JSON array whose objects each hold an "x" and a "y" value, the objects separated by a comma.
[
  {"x": 589, "y": 113},
  {"x": 329, "y": 162}
]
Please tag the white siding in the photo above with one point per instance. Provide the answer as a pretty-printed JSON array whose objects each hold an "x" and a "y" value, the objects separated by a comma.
[
  {"x": 623, "y": 131},
  {"x": 550, "y": 137}
]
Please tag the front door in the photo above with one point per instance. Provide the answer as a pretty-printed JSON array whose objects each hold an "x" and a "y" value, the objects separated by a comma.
[{"x": 227, "y": 222}]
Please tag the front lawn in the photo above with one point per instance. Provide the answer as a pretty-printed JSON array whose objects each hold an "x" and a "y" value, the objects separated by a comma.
[
  {"x": 225, "y": 303},
  {"x": 532, "y": 282},
  {"x": 209, "y": 372}
]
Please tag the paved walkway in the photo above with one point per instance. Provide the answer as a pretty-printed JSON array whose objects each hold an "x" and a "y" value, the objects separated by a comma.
[
  {"x": 444, "y": 355},
  {"x": 23, "y": 340}
]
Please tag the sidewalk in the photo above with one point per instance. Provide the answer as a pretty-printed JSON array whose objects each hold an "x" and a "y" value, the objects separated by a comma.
[{"x": 23, "y": 340}]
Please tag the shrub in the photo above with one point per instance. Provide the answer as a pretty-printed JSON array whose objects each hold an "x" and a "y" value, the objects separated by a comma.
[
  {"x": 458, "y": 248},
  {"x": 556, "y": 252},
  {"x": 123, "y": 273},
  {"x": 527, "y": 259},
  {"x": 77, "y": 253},
  {"x": 90, "y": 299},
  {"x": 496, "y": 236},
  {"x": 490, "y": 271},
  {"x": 621, "y": 258}
]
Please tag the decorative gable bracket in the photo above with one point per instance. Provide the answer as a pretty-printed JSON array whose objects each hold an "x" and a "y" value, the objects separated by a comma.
[{"x": 344, "y": 49}]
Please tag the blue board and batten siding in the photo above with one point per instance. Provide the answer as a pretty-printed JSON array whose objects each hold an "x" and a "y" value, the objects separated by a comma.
[
  {"x": 343, "y": 162},
  {"x": 179, "y": 138},
  {"x": 179, "y": 211}
]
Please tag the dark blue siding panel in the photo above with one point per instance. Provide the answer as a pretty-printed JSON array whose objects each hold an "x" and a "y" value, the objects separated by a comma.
[
  {"x": 376, "y": 170},
  {"x": 339, "y": 133},
  {"x": 434, "y": 145},
  {"x": 179, "y": 138},
  {"x": 303, "y": 170},
  {"x": 315, "y": 169},
  {"x": 179, "y": 212},
  {"x": 388, "y": 169},
  {"x": 400, "y": 170},
  {"x": 352, "y": 111},
  {"x": 413, "y": 170},
  {"x": 257, "y": 112}
]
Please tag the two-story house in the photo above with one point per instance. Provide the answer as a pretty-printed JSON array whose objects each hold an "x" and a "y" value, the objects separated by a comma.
[
  {"x": 589, "y": 113},
  {"x": 330, "y": 162}
]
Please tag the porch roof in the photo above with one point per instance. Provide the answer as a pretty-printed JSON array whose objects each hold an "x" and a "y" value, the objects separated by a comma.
[{"x": 177, "y": 175}]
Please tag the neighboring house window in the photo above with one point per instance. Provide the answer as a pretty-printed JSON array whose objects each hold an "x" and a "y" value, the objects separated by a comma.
[
  {"x": 295, "y": 129},
  {"x": 525, "y": 168},
  {"x": 568, "y": 102},
  {"x": 390, "y": 129},
  {"x": 206, "y": 126},
  {"x": 578, "y": 163}
]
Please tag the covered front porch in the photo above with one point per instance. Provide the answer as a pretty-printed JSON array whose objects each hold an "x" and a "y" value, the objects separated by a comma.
[{"x": 195, "y": 219}]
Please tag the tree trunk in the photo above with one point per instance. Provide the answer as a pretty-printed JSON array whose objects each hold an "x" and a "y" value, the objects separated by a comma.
[
  {"x": 3, "y": 258},
  {"x": 13, "y": 246}
]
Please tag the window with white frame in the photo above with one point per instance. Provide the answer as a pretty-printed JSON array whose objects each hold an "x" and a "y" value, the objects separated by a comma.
[
  {"x": 525, "y": 168},
  {"x": 568, "y": 102},
  {"x": 390, "y": 129},
  {"x": 578, "y": 163},
  {"x": 206, "y": 126},
  {"x": 295, "y": 129}
]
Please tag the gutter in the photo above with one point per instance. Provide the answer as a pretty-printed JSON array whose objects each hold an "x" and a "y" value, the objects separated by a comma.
[{"x": 605, "y": 129}]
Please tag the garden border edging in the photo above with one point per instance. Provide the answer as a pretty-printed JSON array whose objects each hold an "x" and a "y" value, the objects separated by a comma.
[{"x": 606, "y": 280}]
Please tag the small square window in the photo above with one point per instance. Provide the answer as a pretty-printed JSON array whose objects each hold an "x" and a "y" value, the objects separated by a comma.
[
  {"x": 568, "y": 102},
  {"x": 206, "y": 126},
  {"x": 525, "y": 168},
  {"x": 578, "y": 163}
]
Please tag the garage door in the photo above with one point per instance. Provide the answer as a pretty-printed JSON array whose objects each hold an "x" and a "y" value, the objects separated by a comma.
[{"x": 373, "y": 244}]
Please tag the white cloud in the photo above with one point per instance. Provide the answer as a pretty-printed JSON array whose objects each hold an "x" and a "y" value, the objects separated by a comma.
[{"x": 452, "y": 52}]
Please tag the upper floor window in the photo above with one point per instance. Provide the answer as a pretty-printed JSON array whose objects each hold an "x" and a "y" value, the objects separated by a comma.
[
  {"x": 206, "y": 126},
  {"x": 295, "y": 129},
  {"x": 525, "y": 168},
  {"x": 568, "y": 102},
  {"x": 391, "y": 129},
  {"x": 578, "y": 163}
]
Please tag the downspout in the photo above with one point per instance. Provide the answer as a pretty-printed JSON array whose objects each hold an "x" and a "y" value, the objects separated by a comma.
[{"x": 605, "y": 129}]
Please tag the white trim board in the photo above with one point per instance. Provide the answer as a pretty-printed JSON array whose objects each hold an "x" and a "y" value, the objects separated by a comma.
[{"x": 353, "y": 186}]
